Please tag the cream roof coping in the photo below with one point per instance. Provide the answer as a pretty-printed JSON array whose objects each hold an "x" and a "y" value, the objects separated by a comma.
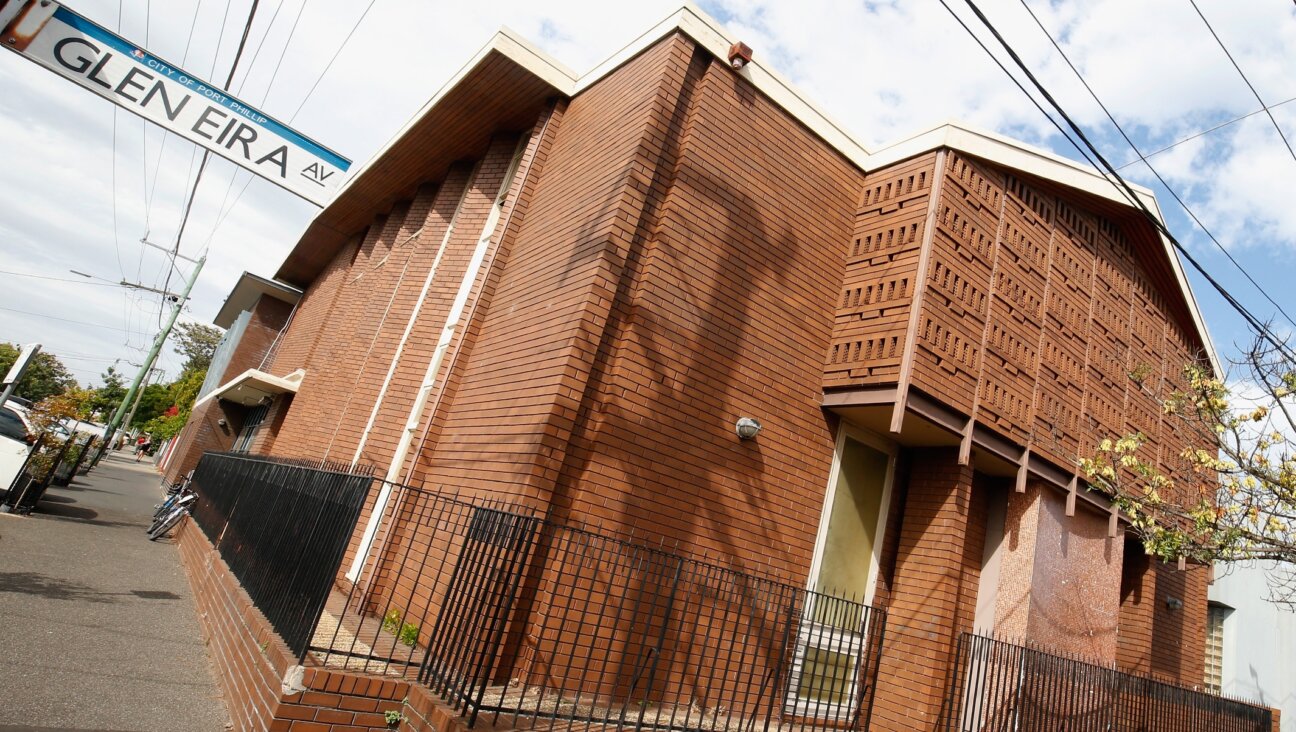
[{"x": 706, "y": 31}]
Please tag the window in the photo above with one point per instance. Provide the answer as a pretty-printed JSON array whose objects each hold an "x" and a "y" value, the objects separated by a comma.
[
  {"x": 1214, "y": 677},
  {"x": 251, "y": 423},
  {"x": 11, "y": 425},
  {"x": 832, "y": 634}
]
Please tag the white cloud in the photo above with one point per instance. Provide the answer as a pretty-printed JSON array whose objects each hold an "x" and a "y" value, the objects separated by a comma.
[{"x": 884, "y": 69}]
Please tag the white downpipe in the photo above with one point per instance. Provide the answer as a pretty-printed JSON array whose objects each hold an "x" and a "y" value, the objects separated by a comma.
[
  {"x": 434, "y": 365},
  {"x": 409, "y": 325}
]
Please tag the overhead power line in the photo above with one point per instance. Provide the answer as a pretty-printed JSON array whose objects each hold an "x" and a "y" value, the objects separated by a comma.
[
  {"x": 1244, "y": 78},
  {"x": 1259, "y": 327},
  {"x": 1207, "y": 131},
  {"x": 64, "y": 320},
  {"x": 193, "y": 191},
  {"x": 34, "y": 276},
  {"x": 329, "y": 65},
  {"x": 269, "y": 87},
  {"x": 1182, "y": 203}
]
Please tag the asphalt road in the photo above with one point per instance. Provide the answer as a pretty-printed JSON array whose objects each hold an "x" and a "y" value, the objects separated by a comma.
[{"x": 97, "y": 625}]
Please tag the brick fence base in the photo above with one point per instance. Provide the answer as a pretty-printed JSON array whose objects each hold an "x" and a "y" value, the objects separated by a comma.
[{"x": 252, "y": 662}]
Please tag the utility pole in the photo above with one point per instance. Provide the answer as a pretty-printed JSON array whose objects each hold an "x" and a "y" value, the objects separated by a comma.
[
  {"x": 139, "y": 395},
  {"x": 158, "y": 342}
]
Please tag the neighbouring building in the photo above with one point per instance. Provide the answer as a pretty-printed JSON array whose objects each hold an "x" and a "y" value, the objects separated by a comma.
[
  {"x": 229, "y": 408},
  {"x": 1247, "y": 637},
  {"x": 566, "y": 290}
]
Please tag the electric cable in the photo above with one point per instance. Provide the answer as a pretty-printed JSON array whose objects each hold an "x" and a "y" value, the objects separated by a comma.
[
  {"x": 260, "y": 45},
  {"x": 193, "y": 191},
  {"x": 270, "y": 86},
  {"x": 64, "y": 320},
  {"x": 1257, "y": 326},
  {"x": 1250, "y": 86},
  {"x": 34, "y": 276},
  {"x": 166, "y": 134},
  {"x": 329, "y": 65},
  {"x": 1207, "y": 131},
  {"x": 1183, "y": 204}
]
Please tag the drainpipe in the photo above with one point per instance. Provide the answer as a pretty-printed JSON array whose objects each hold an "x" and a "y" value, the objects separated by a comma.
[{"x": 434, "y": 365}]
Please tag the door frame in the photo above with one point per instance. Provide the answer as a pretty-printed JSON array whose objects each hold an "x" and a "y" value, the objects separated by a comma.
[{"x": 892, "y": 450}]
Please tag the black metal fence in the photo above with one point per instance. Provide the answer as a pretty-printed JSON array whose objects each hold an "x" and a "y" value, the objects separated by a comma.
[
  {"x": 616, "y": 632},
  {"x": 1004, "y": 686},
  {"x": 281, "y": 526}
]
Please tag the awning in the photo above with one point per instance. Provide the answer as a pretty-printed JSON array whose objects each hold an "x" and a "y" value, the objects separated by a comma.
[{"x": 253, "y": 387}]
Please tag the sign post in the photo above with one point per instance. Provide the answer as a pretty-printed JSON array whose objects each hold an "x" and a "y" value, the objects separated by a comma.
[
  {"x": 16, "y": 371},
  {"x": 96, "y": 59}
]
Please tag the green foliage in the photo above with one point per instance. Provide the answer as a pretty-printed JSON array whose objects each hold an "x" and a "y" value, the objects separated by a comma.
[
  {"x": 409, "y": 634},
  {"x": 46, "y": 376},
  {"x": 392, "y": 620},
  {"x": 1230, "y": 496},
  {"x": 107, "y": 397},
  {"x": 181, "y": 394},
  {"x": 197, "y": 342},
  {"x": 52, "y": 410},
  {"x": 155, "y": 400},
  {"x": 393, "y": 717}
]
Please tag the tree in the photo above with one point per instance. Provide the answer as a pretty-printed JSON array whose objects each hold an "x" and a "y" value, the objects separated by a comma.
[
  {"x": 155, "y": 400},
  {"x": 197, "y": 342},
  {"x": 1232, "y": 496},
  {"x": 181, "y": 394},
  {"x": 70, "y": 405},
  {"x": 46, "y": 376},
  {"x": 108, "y": 397}
]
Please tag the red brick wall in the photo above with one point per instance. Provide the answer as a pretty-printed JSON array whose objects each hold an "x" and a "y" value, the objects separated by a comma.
[
  {"x": 203, "y": 432},
  {"x": 252, "y": 661},
  {"x": 511, "y": 417},
  {"x": 932, "y": 595},
  {"x": 297, "y": 348},
  {"x": 1153, "y": 638},
  {"x": 312, "y": 325},
  {"x": 721, "y": 308}
]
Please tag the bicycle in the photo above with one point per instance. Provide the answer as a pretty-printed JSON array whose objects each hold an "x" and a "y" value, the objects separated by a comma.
[{"x": 167, "y": 514}]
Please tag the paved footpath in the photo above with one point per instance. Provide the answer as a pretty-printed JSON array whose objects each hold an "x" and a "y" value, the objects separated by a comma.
[{"x": 97, "y": 624}]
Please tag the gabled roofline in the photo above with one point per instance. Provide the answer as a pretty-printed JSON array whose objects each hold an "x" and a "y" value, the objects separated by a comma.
[
  {"x": 712, "y": 36},
  {"x": 1017, "y": 155}
]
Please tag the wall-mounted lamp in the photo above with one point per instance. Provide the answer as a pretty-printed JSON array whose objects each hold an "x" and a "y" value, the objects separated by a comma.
[
  {"x": 747, "y": 428},
  {"x": 740, "y": 54}
]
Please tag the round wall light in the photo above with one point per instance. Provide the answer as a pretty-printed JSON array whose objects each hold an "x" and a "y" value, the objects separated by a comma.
[{"x": 747, "y": 428}]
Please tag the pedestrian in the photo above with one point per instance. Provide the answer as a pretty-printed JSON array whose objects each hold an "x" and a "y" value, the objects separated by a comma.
[{"x": 141, "y": 446}]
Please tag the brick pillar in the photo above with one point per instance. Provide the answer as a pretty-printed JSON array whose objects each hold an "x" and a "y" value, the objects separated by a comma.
[
  {"x": 1155, "y": 637},
  {"x": 935, "y": 561}
]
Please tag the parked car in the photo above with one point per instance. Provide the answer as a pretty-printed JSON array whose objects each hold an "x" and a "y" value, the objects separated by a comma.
[{"x": 16, "y": 425}]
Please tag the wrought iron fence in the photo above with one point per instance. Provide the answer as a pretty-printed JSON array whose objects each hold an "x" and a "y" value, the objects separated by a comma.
[
  {"x": 281, "y": 526},
  {"x": 504, "y": 613},
  {"x": 1004, "y": 686}
]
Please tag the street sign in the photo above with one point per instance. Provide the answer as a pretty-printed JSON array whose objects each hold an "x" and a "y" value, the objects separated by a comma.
[
  {"x": 20, "y": 364},
  {"x": 89, "y": 55}
]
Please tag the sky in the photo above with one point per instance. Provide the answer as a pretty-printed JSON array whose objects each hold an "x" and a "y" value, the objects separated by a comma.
[{"x": 81, "y": 183}]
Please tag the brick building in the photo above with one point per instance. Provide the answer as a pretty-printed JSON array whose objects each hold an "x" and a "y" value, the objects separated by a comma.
[{"x": 568, "y": 289}]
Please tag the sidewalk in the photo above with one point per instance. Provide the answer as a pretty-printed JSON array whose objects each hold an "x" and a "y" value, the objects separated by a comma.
[{"x": 97, "y": 625}]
